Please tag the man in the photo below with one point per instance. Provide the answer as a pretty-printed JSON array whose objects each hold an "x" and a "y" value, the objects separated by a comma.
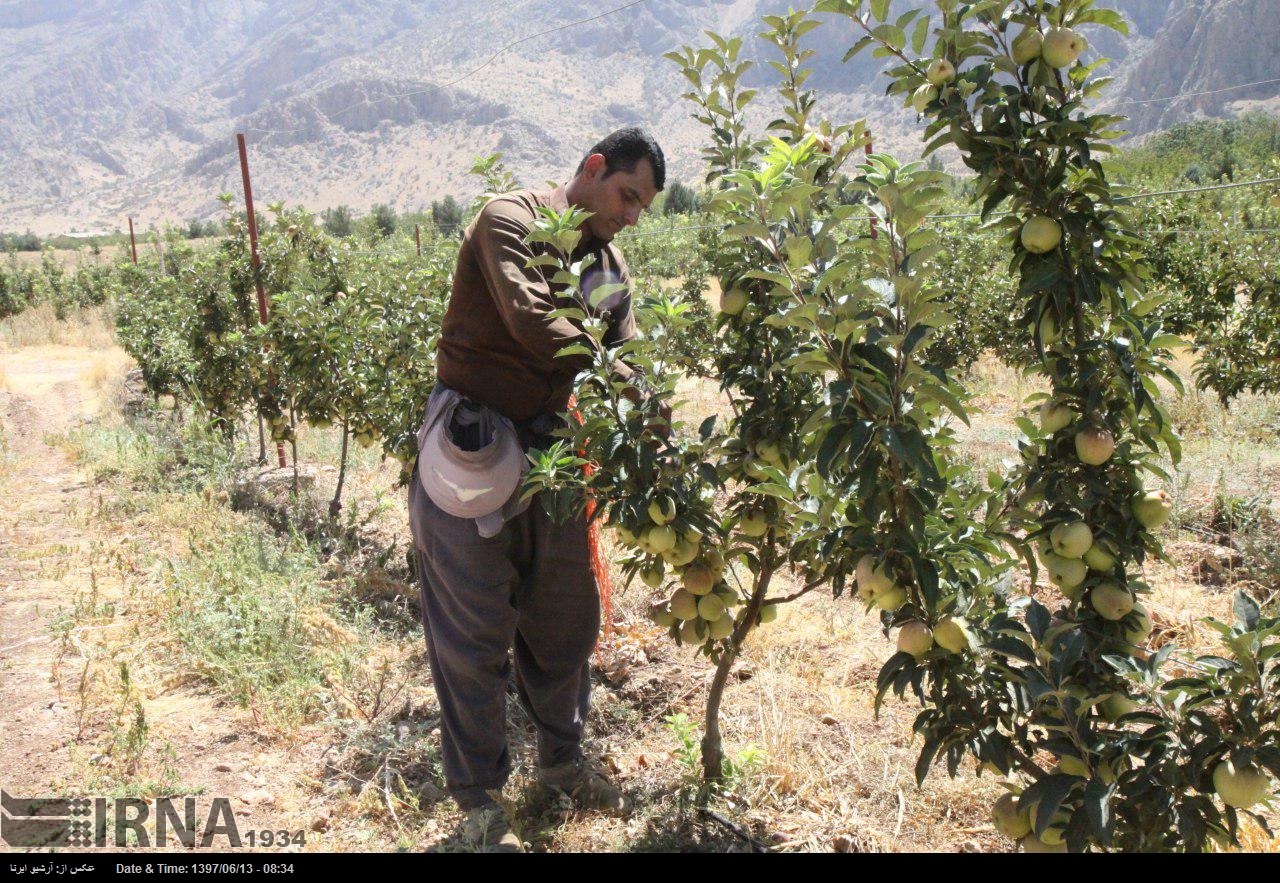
[{"x": 530, "y": 585}]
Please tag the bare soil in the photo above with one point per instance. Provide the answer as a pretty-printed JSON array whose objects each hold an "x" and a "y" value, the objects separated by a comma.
[{"x": 50, "y": 557}]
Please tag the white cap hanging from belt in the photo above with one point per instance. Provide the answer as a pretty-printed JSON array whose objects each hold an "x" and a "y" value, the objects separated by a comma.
[{"x": 469, "y": 458}]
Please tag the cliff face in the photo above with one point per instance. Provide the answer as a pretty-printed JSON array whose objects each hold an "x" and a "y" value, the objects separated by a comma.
[
  {"x": 131, "y": 106},
  {"x": 1202, "y": 48}
]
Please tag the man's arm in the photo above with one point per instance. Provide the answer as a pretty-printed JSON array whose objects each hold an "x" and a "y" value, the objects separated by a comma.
[{"x": 523, "y": 294}]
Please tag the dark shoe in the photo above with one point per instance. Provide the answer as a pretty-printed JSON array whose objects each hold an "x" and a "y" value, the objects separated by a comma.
[
  {"x": 586, "y": 786},
  {"x": 486, "y": 829}
]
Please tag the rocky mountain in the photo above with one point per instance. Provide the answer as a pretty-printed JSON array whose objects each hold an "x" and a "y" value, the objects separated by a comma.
[{"x": 115, "y": 107}]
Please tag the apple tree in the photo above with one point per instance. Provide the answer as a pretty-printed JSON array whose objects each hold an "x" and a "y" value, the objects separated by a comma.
[{"x": 1135, "y": 740}]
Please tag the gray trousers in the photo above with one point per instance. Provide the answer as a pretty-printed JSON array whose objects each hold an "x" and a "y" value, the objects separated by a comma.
[{"x": 531, "y": 587}]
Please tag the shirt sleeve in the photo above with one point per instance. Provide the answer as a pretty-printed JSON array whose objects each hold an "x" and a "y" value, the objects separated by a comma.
[
  {"x": 523, "y": 294},
  {"x": 622, "y": 322}
]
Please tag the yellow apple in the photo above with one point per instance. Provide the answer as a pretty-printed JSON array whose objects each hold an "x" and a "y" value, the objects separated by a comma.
[
  {"x": 1041, "y": 234},
  {"x": 1061, "y": 47},
  {"x": 733, "y": 302},
  {"x": 941, "y": 71},
  {"x": 1009, "y": 819},
  {"x": 915, "y": 638},
  {"x": 662, "y": 510},
  {"x": 952, "y": 633},
  {"x": 872, "y": 579},
  {"x": 1112, "y": 601},
  {"x": 1026, "y": 46},
  {"x": 1055, "y": 415},
  {"x": 1095, "y": 445},
  {"x": 720, "y": 628},
  {"x": 1072, "y": 539},
  {"x": 1152, "y": 508},
  {"x": 684, "y": 605},
  {"x": 1240, "y": 786},
  {"x": 923, "y": 97}
]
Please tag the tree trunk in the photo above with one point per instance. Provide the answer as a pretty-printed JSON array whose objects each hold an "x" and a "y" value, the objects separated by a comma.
[
  {"x": 293, "y": 445},
  {"x": 262, "y": 442},
  {"x": 712, "y": 742},
  {"x": 335, "y": 505}
]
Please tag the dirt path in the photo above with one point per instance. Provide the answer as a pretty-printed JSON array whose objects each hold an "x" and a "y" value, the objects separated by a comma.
[
  {"x": 39, "y": 487},
  {"x": 48, "y": 534}
]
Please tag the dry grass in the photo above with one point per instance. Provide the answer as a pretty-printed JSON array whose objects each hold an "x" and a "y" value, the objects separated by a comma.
[{"x": 39, "y": 326}]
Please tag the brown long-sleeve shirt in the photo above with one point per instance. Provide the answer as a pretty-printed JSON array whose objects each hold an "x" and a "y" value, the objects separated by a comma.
[{"x": 498, "y": 342}]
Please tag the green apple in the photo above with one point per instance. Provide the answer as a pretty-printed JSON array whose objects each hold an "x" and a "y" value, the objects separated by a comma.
[
  {"x": 915, "y": 638},
  {"x": 1071, "y": 765},
  {"x": 711, "y": 607},
  {"x": 659, "y": 539},
  {"x": 1116, "y": 706},
  {"x": 1112, "y": 601},
  {"x": 953, "y": 634},
  {"x": 1065, "y": 573},
  {"x": 1152, "y": 508},
  {"x": 1095, "y": 445},
  {"x": 626, "y": 537},
  {"x": 1048, "y": 329},
  {"x": 1101, "y": 556},
  {"x": 681, "y": 554},
  {"x": 1061, "y": 47},
  {"x": 1009, "y": 819},
  {"x": 699, "y": 580},
  {"x": 689, "y": 632},
  {"x": 652, "y": 575},
  {"x": 769, "y": 452},
  {"x": 1141, "y": 630},
  {"x": 768, "y": 613},
  {"x": 728, "y": 595},
  {"x": 1033, "y": 844},
  {"x": 1055, "y": 415},
  {"x": 720, "y": 628},
  {"x": 1071, "y": 540},
  {"x": 923, "y": 97},
  {"x": 1040, "y": 234},
  {"x": 661, "y": 614},
  {"x": 941, "y": 71},
  {"x": 662, "y": 510},
  {"x": 684, "y": 605},
  {"x": 1026, "y": 46},
  {"x": 754, "y": 524},
  {"x": 1240, "y": 786},
  {"x": 733, "y": 302},
  {"x": 891, "y": 599},
  {"x": 872, "y": 580}
]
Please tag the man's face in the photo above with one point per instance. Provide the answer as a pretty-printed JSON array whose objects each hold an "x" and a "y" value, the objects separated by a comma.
[{"x": 615, "y": 200}]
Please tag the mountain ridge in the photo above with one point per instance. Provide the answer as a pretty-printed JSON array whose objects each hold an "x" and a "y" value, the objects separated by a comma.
[{"x": 131, "y": 107}]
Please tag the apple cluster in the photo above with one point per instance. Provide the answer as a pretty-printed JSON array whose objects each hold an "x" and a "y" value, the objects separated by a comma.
[{"x": 701, "y": 609}]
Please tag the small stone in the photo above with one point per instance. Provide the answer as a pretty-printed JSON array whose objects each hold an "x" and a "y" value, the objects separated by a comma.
[
  {"x": 829, "y": 719},
  {"x": 320, "y": 822},
  {"x": 257, "y": 797},
  {"x": 222, "y": 768}
]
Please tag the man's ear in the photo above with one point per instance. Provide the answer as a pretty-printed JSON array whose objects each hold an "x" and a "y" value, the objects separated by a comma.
[{"x": 595, "y": 165}]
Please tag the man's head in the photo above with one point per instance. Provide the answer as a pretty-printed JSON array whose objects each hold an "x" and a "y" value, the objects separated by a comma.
[{"x": 617, "y": 180}]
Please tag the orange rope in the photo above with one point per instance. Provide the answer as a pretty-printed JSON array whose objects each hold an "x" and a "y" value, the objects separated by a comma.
[{"x": 598, "y": 565}]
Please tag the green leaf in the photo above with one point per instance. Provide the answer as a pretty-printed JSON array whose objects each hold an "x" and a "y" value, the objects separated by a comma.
[
  {"x": 1050, "y": 792},
  {"x": 920, "y": 35},
  {"x": 1246, "y": 611}
]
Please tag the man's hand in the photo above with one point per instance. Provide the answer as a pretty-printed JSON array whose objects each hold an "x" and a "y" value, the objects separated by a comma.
[{"x": 634, "y": 395}]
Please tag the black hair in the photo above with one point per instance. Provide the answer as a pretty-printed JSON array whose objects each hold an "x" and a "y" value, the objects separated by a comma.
[{"x": 626, "y": 147}]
